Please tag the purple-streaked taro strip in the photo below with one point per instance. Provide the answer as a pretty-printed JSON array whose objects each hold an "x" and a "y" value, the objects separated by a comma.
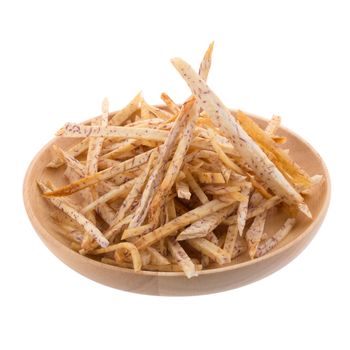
[
  {"x": 111, "y": 195},
  {"x": 254, "y": 233},
  {"x": 71, "y": 162},
  {"x": 180, "y": 222},
  {"x": 158, "y": 202},
  {"x": 210, "y": 249},
  {"x": 172, "y": 188},
  {"x": 253, "y": 212},
  {"x": 230, "y": 239},
  {"x": 270, "y": 243},
  {"x": 136, "y": 190},
  {"x": 205, "y": 65},
  {"x": 121, "y": 116},
  {"x": 239, "y": 248},
  {"x": 181, "y": 258},
  {"x": 95, "y": 143},
  {"x": 100, "y": 176},
  {"x": 206, "y": 225},
  {"x": 74, "y": 151},
  {"x": 156, "y": 176},
  {"x": 196, "y": 189},
  {"x": 76, "y": 130},
  {"x": 250, "y": 152},
  {"x": 88, "y": 226},
  {"x": 92, "y": 158},
  {"x": 243, "y": 208}
]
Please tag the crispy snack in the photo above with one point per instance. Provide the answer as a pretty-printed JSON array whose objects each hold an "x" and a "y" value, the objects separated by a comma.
[
  {"x": 120, "y": 148},
  {"x": 180, "y": 222},
  {"x": 113, "y": 194},
  {"x": 88, "y": 226},
  {"x": 270, "y": 243},
  {"x": 316, "y": 180},
  {"x": 95, "y": 144},
  {"x": 194, "y": 186},
  {"x": 149, "y": 112},
  {"x": 158, "y": 172},
  {"x": 104, "y": 164},
  {"x": 210, "y": 249},
  {"x": 283, "y": 162},
  {"x": 211, "y": 178},
  {"x": 172, "y": 106},
  {"x": 211, "y": 237},
  {"x": 77, "y": 130},
  {"x": 74, "y": 151},
  {"x": 157, "y": 258},
  {"x": 100, "y": 176},
  {"x": 170, "y": 210},
  {"x": 117, "y": 228},
  {"x": 203, "y": 227},
  {"x": 206, "y": 62},
  {"x": 137, "y": 231},
  {"x": 242, "y": 211},
  {"x": 254, "y": 211},
  {"x": 223, "y": 157},
  {"x": 158, "y": 202},
  {"x": 239, "y": 248},
  {"x": 92, "y": 158},
  {"x": 254, "y": 233},
  {"x": 71, "y": 162},
  {"x": 136, "y": 189},
  {"x": 189, "y": 114},
  {"x": 183, "y": 190},
  {"x": 181, "y": 258},
  {"x": 255, "y": 199},
  {"x": 230, "y": 239},
  {"x": 273, "y": 125},
  {"x": 106, "y": 213},
  {"x": 218, "y": 190},
  {"x": 175, "y": 188},
  {"x": 120, "y": 117},
  {"x": 250, "y": 152},
  {"x": 119, "y": 251}
]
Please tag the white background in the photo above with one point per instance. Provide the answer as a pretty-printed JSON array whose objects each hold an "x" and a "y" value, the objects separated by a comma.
[{"x": 59, "y": 59}]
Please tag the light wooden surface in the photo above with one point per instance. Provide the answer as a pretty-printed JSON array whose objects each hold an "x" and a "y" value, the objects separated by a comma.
[{"x": 239, "y": 273}]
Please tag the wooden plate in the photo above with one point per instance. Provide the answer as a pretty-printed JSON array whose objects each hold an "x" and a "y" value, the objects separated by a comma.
[{"x": 236, "y": 274}]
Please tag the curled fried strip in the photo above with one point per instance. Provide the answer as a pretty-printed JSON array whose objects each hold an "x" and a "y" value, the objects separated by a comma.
[{"x": 135, "y": 255}]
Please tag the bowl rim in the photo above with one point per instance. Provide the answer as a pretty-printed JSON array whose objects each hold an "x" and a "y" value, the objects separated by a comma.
[{"x": 45, "y": 235}]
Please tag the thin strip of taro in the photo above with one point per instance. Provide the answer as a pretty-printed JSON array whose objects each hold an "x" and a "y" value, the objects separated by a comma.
[{"x": 248, "y": 149}]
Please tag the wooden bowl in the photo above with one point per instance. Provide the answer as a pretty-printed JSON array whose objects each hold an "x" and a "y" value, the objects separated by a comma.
[{"x": 240, "y": 272}]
